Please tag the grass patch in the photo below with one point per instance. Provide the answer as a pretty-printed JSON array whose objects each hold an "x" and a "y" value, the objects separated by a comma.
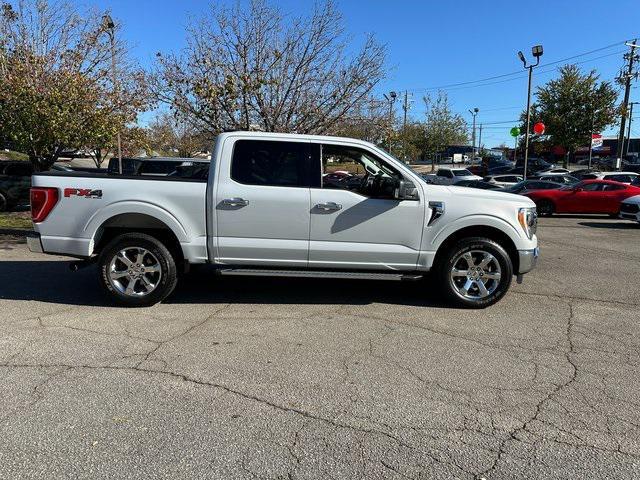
[
  {"x": 11, "y": 155},
  {"x": 16, "y": 220}
]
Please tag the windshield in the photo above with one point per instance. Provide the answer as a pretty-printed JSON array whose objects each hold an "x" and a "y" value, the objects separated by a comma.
[
  {"x": 519, "y": 185},
  {"x": 462, "y": 173}
]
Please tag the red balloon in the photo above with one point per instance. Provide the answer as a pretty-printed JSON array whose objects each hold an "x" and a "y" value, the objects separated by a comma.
[{"x": 538, "y": 128}]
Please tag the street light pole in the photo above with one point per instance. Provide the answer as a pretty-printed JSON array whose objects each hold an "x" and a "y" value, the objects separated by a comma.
[
  {"x": 391, "y": 98},
  {"x": 473, "y": 112},
  {"x": 593, "y": 121},
  {"x": 537, "y": 53},
  {"x": 109, "y": 26}
]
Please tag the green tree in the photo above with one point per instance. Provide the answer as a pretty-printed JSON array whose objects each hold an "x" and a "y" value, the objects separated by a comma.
[
  {"x": 442, "y": 127},
  {"x": 570, "y": 106},
  {"x": 55, "y": 84}
]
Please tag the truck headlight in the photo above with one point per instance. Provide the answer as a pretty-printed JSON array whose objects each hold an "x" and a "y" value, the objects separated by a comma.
[{"x": 528, "y": 219}]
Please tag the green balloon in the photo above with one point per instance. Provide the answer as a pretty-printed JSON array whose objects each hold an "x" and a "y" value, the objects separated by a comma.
[{"x": 515, "y": 131}]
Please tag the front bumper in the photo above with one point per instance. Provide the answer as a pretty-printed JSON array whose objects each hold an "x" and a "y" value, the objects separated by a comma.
[
  {"x": 528, "y": 260},
  {"x": 630, "y": 216},
  {"x": 34, "y": 243}
]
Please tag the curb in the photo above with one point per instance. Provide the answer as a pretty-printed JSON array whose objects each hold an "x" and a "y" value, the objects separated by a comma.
[{"x": 17, "y": 232}]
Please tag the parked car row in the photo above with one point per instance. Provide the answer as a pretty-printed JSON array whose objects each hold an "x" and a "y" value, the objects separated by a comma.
[
  {"x": 15, "y": 181},
  {"x": 559, "y": 190},
  {"x": 15, "y": 176}
]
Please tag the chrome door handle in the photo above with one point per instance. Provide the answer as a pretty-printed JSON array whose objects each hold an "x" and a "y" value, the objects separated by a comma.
[
  {"x": 235, "y": 202},
  {"x": 329, "y": 206}
]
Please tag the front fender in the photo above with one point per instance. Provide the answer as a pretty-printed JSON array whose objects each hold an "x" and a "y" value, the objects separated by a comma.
[{"x": 478, "y": 220}]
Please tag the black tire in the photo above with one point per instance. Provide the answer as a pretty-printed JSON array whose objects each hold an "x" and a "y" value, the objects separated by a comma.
[
  {"x": 500, "y": 266},
  {"x": 157, "y": 252},
  {"x": 4, "y": 204},
  {"x": 545, "y": 208}
]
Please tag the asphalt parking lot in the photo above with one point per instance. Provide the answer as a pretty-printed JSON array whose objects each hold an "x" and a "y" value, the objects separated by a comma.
[{"x": 264, "y": 378}]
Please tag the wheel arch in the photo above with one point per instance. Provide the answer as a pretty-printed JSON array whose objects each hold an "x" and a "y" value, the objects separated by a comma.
[
  {"x": 496, "y": 234},
  {"x": 137, "y": 222}
]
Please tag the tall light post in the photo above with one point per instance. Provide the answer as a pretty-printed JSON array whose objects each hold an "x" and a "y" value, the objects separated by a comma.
[
  {"x": 536, "y": 51},
  {"x": 593, "y": 127},
  {"x": 473, "y": 112},
  {"x": 391, "y": 98},
  {"x": 109, "y": 26}
]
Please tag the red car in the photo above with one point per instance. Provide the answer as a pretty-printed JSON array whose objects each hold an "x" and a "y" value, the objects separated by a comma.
[{"x": 588, "y": 196}]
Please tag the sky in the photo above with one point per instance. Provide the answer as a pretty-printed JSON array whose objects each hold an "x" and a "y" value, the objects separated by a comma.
[{"x": 439, "y": 44}]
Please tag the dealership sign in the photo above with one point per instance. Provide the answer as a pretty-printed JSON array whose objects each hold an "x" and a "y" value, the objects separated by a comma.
[{"x": 596, "y": 141}]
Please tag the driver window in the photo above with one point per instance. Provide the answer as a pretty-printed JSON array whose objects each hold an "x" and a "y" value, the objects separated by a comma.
[
  {"x": 592, "y": 187},
  {"x": 355, "y": 169}
]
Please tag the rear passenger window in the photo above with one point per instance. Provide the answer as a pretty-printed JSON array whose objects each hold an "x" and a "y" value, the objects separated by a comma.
[
  {"x": 158, "y": 167},
  {"x": 271, "y": 163}
]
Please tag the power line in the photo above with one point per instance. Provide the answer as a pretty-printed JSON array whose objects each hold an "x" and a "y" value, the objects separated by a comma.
[
  {"x": 519, "y": 72},
  {"x": 520, "y": 77}
]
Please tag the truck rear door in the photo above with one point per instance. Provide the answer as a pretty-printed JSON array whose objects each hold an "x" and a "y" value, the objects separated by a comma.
[{"x": 262, "y": 203}]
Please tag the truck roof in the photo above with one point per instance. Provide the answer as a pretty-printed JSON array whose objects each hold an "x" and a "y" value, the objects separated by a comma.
[{"x": 294, "y": 136}]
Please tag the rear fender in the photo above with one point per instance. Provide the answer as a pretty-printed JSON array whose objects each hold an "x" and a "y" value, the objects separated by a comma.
[{"x": 92, "y": 227}]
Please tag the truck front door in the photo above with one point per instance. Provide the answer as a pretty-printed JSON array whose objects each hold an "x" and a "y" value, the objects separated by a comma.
[
  {"x": 262, "y": 204},
  {"x": 357, "y": 223}
]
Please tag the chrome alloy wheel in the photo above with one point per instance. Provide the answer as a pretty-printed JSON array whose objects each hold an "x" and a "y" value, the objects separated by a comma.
[
  {"x": 134, "y": 271},
  {"x": 475, "y": 274}
]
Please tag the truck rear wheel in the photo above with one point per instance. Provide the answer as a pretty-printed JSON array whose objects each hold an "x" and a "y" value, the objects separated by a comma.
[
  {"x": 137, "y": 270},
  {"x": 474, "y": 273}
]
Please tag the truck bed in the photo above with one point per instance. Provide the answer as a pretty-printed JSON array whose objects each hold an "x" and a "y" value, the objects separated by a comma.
[{"x": 90, "y": 202}]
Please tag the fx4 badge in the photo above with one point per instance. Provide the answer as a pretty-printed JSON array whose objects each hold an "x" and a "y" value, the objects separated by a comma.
[{"x": 82, "y": 192}]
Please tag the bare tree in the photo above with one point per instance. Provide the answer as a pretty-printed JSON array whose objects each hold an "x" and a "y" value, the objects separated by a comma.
[
  {"x": 173, "y": 137},
  {"x": 368, "y": 120},
  {"x": 255, "y": 68}
]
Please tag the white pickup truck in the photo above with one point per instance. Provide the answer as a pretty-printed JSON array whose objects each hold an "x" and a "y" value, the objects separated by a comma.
[
  {"x": 260, "y": 208},
  {"x": 450, "y": 176}
]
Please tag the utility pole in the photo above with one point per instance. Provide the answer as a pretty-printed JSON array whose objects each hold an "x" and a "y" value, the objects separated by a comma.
[
  {"x": 631, "y": 104},
  {"x": 473, "y": 112},
  {"x": 626, "y": 78},
  {"x": 405, "y": 107},
  {"x": 480, "y": 141}
]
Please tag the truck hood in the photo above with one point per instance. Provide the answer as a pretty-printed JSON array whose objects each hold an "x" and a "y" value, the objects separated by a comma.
[{"x": 478, "y": 194}]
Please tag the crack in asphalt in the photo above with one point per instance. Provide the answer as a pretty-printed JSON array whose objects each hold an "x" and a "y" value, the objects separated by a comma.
[
  {"x": 470, "y": 422},
  {"x": 513, "y": 435},
  {"x": 573, "y": 297}
]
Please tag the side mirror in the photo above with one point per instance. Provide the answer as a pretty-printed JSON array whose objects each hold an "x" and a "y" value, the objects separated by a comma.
[{"x": 406, "y": 190}]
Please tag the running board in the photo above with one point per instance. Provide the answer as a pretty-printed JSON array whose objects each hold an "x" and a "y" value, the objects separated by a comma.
[{"x": 254, "y": 272}]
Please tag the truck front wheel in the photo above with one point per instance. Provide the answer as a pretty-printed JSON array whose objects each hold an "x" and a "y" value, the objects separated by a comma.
[
  {"x": 474, "y": 272},
  {"x": 136, "y": 270}
]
